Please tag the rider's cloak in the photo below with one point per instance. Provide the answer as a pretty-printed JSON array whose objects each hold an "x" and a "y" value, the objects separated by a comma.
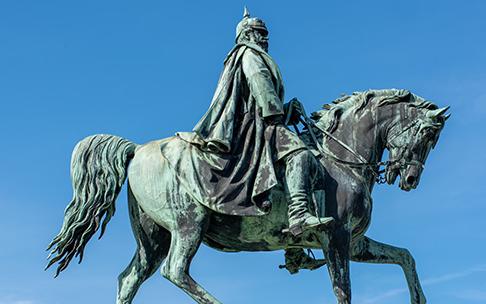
[{"x": 229, "y": 160}]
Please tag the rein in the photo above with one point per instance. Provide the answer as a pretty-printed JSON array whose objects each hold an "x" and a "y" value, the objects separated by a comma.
[
  {"x": 362, "y": 163},
  {"x": 373, "y": 167}
]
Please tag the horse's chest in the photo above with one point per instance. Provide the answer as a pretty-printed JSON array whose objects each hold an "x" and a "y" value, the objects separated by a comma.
[
  {"x": 361, "y": 214},
  {"x": 348, "y": 197}
]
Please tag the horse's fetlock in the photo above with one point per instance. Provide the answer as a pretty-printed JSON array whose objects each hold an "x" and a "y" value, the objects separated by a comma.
[{"x": 343, "y": 297}]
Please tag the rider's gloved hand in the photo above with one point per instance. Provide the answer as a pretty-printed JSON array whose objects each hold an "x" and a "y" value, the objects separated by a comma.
[{"x": 293, "y": 110}]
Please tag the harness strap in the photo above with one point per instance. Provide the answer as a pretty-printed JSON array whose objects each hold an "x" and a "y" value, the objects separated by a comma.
[
  {"x": 400, "y": 160},
  {"x": 409, "y": 126}
]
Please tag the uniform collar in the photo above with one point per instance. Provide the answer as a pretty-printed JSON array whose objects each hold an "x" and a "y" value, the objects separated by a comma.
[{"x": 245, "y": 44}]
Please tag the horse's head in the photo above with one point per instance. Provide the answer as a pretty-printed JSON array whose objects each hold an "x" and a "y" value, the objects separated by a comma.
[
  {"x": 404, "y": 123},
  {"x": 410, "y": 140}
]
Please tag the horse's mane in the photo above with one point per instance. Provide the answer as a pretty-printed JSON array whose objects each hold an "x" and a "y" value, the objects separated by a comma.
[{"x": 330, "y": 115}]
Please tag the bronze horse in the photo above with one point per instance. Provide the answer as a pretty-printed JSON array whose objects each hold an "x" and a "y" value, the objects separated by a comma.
[{"x": 348, "y": 137}]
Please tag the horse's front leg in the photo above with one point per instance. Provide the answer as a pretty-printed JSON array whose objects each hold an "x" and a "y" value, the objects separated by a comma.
[
  {"x": 370, "y": 251},
  {"x": 337, "y": 256}
]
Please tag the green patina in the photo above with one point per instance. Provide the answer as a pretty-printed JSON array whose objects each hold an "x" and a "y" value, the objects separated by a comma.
[{"x": 243, "y": 181}]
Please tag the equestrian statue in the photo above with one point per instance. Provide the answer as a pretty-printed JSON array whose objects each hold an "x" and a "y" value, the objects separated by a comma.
[{"x": 242, "y": 180}]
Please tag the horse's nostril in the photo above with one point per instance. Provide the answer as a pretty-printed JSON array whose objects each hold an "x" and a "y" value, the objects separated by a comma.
[{"x": 410, "y": 179}]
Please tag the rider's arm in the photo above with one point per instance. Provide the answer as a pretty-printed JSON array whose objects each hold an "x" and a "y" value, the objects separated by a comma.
[{"x": 261, "y": 86}]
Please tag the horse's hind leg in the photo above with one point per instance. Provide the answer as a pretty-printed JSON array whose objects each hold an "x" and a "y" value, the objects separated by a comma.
[
  {"x": 186, "y": 238},
  {"x": 370, "y": 251},
  {"x": 153, "y": 243}
]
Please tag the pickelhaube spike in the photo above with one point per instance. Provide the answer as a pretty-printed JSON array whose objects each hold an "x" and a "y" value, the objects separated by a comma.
[
  {"x": 246, "y": 13},
  {"x": 249, "y": 22}
]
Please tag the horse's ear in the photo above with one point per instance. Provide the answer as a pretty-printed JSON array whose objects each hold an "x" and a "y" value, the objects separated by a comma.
[
  {"x": 444, "y": 109},
  {"x": 438, "y": 112}
]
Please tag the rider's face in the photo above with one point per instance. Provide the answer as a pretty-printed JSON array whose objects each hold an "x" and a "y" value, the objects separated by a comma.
[{"x": 260, "y": 37}]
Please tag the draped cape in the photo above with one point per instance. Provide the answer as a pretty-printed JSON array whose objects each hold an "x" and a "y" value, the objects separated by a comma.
[{"x": 228, "y": 162}]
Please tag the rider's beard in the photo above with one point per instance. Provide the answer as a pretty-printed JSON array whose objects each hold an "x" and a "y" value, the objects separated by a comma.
[
  {"x": 262, "y": 42},
  {"x": 264, "y": 45}
]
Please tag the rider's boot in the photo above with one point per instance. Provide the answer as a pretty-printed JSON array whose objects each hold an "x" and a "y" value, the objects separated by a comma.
[
  {"x": 300, "y": 219},
  {"x": 301, "y": 169}
]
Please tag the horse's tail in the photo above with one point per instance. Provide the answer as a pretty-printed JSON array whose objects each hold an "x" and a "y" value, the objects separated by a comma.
[{"x": 98, "y": 170}]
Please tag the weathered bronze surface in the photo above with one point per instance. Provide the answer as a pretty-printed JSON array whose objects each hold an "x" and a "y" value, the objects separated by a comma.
[{"x": 242, "y": 178}]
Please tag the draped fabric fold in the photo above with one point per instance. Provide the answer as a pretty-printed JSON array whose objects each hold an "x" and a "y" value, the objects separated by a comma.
[{"x": 229, "y": 159}]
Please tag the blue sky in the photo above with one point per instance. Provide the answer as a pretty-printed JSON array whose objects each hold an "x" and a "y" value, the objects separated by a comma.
[{"x": 148, "y": 69}]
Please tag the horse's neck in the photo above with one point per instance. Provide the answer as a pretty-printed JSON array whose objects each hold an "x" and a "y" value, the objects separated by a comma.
[{"x": 362, "y": 133}]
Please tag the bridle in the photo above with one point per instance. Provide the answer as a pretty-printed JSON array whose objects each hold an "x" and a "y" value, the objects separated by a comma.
[
  {"x": 401, "y": 159},
  {"x": 373, "y": 167}
]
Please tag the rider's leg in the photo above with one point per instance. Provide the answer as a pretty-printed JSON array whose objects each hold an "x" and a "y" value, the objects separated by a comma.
[{"x": 301, "y": 169}]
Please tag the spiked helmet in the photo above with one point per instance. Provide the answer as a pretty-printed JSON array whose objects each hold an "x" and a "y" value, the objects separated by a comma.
[{"x": 249, "y": 23}]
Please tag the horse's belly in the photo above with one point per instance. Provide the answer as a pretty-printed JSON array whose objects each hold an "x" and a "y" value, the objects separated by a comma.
[
  {"x": 251, "y": 233},
  {"x": 255, "y": 233}
]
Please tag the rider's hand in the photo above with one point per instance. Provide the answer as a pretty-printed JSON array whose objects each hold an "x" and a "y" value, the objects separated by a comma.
[
  {"x": 296, "y": 109},
  {"x": 296, "y": 104}
]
